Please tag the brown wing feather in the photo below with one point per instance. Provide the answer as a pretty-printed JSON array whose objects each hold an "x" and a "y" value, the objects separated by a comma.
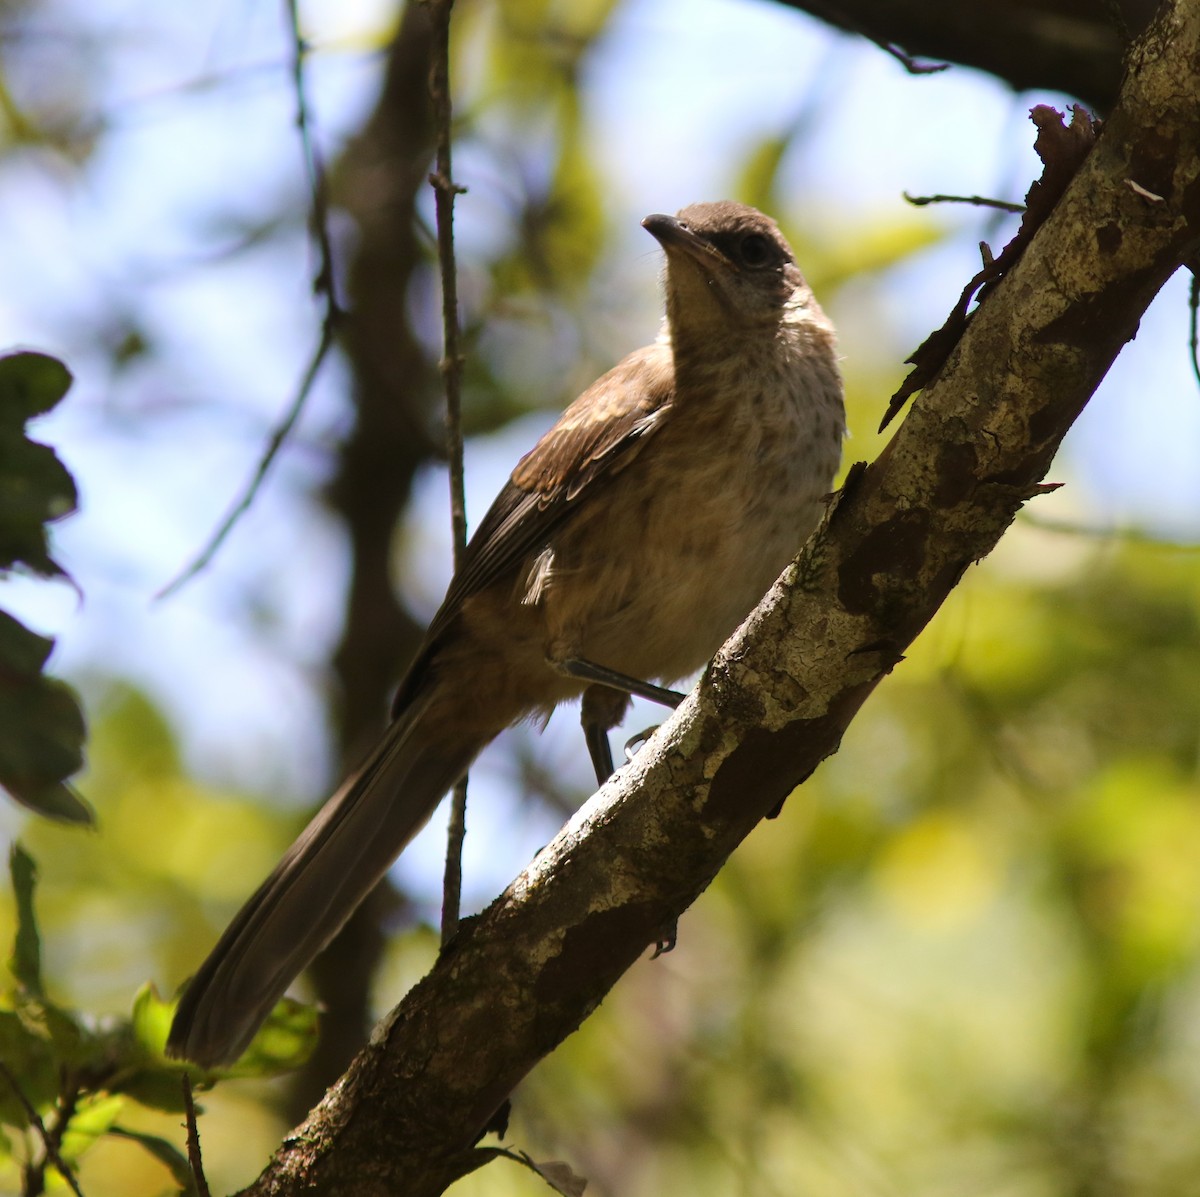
[
  {"x": 599, "y": 431},
  {"x": 594, "y": 439},
  {"x": 591, "y": 441}
]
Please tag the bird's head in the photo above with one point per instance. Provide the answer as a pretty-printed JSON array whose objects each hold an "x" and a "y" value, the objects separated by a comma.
[{"x": 729, "y": 268}]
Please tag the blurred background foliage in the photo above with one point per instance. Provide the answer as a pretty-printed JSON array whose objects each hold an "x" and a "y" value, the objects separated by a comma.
[{"x": 963, "y": 960}]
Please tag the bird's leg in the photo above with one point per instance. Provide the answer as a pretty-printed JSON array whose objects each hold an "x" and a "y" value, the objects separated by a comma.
[
  {"x": 603, "y": 708},
  {"x": 604, "y": 705},
  {"x": 601, "y": 675}
]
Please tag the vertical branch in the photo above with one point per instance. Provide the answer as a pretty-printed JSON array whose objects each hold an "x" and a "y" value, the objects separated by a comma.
[
  {"x": 380, "y": 173},
  {"x": 195, "y": 1158},
  {"x": 444, "y": 190}
]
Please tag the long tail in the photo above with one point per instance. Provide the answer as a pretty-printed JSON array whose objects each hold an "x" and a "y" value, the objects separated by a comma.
[{"x": 325, "y": 874}]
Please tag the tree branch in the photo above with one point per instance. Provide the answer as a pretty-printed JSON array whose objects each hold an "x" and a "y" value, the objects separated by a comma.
[
  {"x": 378, "y": 180},
  {"x": 1058, "y": 44},
  {"x": 779, "y": 696},
  {"x": 445, "y": 189}
]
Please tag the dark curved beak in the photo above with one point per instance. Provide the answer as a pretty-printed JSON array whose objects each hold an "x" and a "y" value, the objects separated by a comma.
[{"x": 673, "y": 234}]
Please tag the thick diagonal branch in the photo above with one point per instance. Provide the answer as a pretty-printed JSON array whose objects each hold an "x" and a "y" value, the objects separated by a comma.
[{"x": 779, "y": 696}]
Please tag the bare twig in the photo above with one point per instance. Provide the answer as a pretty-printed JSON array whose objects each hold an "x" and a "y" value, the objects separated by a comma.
[
  {"x": 444, "y": 191},
  {"x": 323, "y": 286},
  {"x": 35, "y": 1181},
  {"x": 195, "y": 1159},
  {"x": 981, "y": 201},
  {"x": 907, "y": 61},
  {"x": 1062, "y": 149},
  {"x": 836, "y": 15}
]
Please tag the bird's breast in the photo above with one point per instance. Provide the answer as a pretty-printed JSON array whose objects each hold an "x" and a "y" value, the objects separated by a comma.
[{"x": 682, "y": 544}]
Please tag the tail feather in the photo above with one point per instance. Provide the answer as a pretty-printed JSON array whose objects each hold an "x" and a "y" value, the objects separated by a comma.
[{"x": 327, "y": 872}]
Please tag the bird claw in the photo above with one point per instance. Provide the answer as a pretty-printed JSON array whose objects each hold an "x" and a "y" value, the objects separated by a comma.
[{"x": 635, "y": 742}]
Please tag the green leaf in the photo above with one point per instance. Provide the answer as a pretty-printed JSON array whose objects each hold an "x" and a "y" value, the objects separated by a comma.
[
  {"x": 41, "y": 726},
  {"x": 25, "y": 964},
  {"x": 42, "y": 729},
  {"x": 165, "y": 1152},
  {"x": 284, "y": 1043},
  {"x": 94, "y": 1117},
  {"x": 35, "y": 487},
  {"x": 758, "y": 179},
  {"x": 151, "y": 1019},
  {"x": 31, "y": 384},
  {"x": 22, "y": 653}
]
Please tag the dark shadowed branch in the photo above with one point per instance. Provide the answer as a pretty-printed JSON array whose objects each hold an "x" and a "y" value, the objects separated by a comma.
[
  {"x": 395, "y": 394},
  {"x": 1057, "y": 44},
  {"x": 444, "y": 190}
]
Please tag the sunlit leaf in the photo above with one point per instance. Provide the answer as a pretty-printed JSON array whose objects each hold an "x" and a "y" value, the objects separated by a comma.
[
  {"x": 93, "y": 1118},
  {"x": 284, "y": 1043}
]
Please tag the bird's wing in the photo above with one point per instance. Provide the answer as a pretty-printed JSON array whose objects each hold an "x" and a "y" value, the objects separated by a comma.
[{"x": 594, "y": 439}]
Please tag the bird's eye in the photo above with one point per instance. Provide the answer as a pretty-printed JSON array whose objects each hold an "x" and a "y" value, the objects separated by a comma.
[{"x": 755, "y": 249}]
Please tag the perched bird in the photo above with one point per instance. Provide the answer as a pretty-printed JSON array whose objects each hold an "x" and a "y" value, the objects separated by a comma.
[{"x": 627, "y": 546}]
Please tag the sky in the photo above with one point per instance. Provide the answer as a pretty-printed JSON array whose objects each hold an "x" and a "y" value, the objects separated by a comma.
[{"x": 195, "y": 140}]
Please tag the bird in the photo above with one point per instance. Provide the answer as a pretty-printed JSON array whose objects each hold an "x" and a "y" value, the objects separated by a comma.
[{"x": 628, "y": 544}]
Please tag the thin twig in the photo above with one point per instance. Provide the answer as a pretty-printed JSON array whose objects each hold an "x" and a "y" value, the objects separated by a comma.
[
  {"x": 50, "y": 1140},
  {"x": 444, "y": 191},
  {"x": 324, "y": 285},
  {"x": 907, "y": 61},
  {"x": 456, "y": 834},
  {"x": 195, "y": 1159},
  {"x": 282, "y": 430},
  {"x": 981, "y": 201},
  {"x": 835, "y": 14}
]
